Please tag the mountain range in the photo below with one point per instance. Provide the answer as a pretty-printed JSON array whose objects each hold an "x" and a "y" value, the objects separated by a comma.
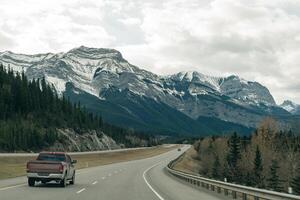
[{"x": 126, "y": 95}]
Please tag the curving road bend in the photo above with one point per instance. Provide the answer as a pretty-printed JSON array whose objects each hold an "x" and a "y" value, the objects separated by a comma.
[{"x": 144, "y": 179}]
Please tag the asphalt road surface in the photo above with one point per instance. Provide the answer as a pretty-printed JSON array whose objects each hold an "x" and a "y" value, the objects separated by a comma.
[{"x": 144, "y": 179}]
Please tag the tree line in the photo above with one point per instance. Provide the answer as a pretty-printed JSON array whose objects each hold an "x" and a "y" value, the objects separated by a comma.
[
  {"x": 31, "y": 112},
  {"x": 268, "y": 159}
]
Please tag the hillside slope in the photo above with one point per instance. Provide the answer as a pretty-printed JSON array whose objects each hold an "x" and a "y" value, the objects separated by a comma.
[{"x": 32, "y": 117}]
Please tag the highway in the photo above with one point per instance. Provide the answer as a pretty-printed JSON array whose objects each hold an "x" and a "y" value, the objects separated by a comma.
[{"x": 134, "y": 180}]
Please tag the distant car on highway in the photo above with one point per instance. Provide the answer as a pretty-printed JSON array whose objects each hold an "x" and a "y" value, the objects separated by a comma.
[{"x": 51, "y": 166}]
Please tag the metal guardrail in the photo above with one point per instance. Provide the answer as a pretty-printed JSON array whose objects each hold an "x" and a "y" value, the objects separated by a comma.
[{"x": 227, "y": 189}]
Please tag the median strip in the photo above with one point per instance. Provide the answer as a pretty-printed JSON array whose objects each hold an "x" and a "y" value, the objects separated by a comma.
[{"x": 14, "y": 165}]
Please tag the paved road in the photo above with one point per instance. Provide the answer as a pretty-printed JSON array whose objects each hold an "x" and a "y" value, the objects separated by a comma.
[{"x": 144, "y": 179}]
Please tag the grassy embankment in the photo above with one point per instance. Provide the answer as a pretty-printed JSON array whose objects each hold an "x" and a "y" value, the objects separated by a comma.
[{"x": 187, "y": 163}]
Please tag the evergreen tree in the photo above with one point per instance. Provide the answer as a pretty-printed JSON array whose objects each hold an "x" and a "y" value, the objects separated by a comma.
[
  {"x": 258, "y": 169},
  {"x": 274, "y": 182},
  {"x": 234, "y": 150},
  {"x": 233, "y": 157}
]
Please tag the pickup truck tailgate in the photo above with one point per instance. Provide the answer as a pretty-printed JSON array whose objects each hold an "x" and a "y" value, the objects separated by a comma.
[{"x": 44, "y": 166}]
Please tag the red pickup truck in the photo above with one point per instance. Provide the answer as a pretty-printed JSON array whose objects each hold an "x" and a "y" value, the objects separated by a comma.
[{"x": 51, "y": 166}]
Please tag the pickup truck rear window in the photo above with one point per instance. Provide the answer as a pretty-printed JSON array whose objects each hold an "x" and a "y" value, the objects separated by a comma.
[{"x": 52, "y": 157}]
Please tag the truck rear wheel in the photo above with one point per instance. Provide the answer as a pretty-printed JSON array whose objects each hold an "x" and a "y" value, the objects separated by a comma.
[
  {"x": 63, "y": 182},
  {"x": 31, "y": 182},
  {"x": 73, "y": 179}
]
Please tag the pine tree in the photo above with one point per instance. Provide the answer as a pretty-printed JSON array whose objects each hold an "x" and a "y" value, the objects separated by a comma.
[
  {"x": 296, "y": 183},
  {"x": 274, "y": 182},
  {"x": 234, "y": 150},
  {"x": 258, "y": 169},
  {"x": 216, "y": 170}
]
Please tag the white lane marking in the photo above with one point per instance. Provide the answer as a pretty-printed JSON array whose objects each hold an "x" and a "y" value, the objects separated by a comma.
[
  {"x": 80, "y": 190},
  {"x": 109, "y": 174},
  {"x": 14, "y": 186},
  {"x": 115, "y": 172},
  {"x": 103, "y": 177},
  {"x": 144, "y": 176},
  {"x": 95, "y": 182}
]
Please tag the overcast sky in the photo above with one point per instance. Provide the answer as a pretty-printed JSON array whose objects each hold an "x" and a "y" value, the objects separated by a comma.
[{"x": 255, "y": 39}]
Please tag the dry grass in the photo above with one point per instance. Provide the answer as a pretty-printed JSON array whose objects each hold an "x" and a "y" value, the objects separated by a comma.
[
  {"x": 187, "y": 163},
  {"x": 16, "y": 166},
  {"x": 13, "y": 166}
]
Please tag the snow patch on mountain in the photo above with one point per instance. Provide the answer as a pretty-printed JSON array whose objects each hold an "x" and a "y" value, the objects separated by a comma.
[{"x": 291, "y": 107}]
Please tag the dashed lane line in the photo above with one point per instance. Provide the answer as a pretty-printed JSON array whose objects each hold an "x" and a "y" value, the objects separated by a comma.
[
  {"x": 95, "y": 182},
  {"x": 79, "y": 191}
]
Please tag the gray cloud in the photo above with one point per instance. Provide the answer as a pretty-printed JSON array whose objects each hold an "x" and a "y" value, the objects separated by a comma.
[
  {"x": 5, "y": 41},
  {"x": 258, "y": 40}
]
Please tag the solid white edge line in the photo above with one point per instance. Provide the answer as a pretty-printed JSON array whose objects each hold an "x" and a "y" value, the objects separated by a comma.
[
  {"x": 13, "y": 186},
  {"x": 80, "y": 190},
  {"x": 144, "y": 176}
]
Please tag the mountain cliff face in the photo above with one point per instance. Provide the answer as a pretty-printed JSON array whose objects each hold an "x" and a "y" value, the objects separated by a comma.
[
  {"x": 124, "y": 94},
  {"x": 89, "y": 141}
]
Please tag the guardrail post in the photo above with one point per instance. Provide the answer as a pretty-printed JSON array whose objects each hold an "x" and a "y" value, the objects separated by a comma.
[
  {"x": 207, "y": 186},
  {"x": 218, "y": 189},
  {"x": 226, "y": 192},
  {"x": 256, "y": 198},
  {"x": 244, "y": 196},
  {"x": 234, "y": 194},
  {"x": 290, "y": 190},
  {"x": 212, "y": 187}
]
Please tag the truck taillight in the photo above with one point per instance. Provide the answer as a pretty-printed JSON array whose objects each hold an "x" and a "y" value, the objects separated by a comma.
[
  {"x": 27, "y": 167},
  {"x": 61, "y": 168}
]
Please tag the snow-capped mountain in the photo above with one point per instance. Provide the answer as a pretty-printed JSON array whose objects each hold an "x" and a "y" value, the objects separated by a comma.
[
  {"x": 106, "y": 77},
  {"x": 291, "y": 107}
]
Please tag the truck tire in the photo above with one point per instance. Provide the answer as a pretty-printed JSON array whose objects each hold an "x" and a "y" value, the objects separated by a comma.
[
  {"x": 72, "y": 182},
  {"x": 63, "y": 182},
  {"x": 31, "y": 182}
]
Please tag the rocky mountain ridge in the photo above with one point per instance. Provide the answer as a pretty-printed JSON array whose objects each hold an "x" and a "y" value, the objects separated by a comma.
[{"x": 104, "y": 77}]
